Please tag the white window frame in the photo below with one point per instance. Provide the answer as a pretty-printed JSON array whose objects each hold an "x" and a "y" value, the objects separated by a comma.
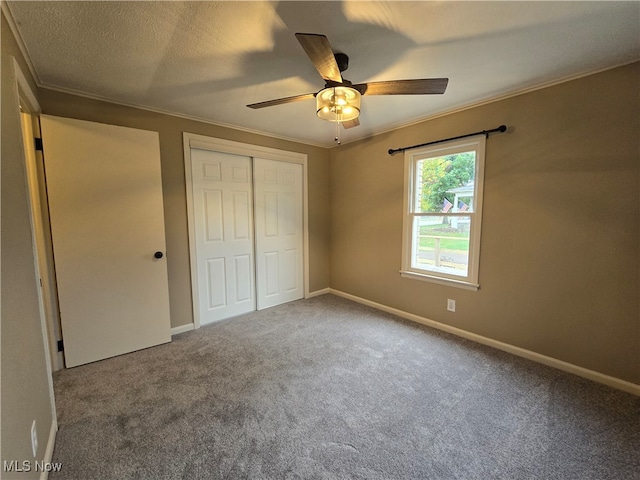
[{"x": 411, "y": 158}]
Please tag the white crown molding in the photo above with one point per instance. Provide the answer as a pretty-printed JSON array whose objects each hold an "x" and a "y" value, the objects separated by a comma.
[
  {"x": 6, "y": 10},
  {"x": 493, "y": 99},
  {"x": 194, "y": 118}
]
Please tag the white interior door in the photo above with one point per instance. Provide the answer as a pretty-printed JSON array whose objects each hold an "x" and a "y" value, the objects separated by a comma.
[
  {"x": 279, "y": 232},
  {"x": 223, "y": 211},
  {"x": 107, "y": 222},
  {"x": 42, "y": 236}
]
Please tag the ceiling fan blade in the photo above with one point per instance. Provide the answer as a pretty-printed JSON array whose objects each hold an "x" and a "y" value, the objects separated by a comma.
[
  {"x": 424, "y": 86},
  {"x": 319, "y": 51},
  {"x": 281, "y": 101},
  {"x": 351, "y": 123}
]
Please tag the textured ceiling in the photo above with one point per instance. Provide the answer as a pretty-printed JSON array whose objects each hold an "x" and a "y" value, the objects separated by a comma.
[{"x": 207, "y": 60}]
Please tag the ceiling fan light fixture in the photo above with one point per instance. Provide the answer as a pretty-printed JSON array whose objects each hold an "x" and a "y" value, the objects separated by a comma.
[{"x": 338, "y": 104}]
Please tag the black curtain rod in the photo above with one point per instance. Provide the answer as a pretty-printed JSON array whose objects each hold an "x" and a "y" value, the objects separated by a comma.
[{"x": 500, "y": 129}]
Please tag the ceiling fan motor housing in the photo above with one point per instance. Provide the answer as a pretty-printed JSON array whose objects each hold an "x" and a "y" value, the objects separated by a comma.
[{"x": 342, "y": 59}]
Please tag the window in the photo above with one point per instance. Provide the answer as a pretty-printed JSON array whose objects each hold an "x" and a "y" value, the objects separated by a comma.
[{"x": 443, "y": 212}]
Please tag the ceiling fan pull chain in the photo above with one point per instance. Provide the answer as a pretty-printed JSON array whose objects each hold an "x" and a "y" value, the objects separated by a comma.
[{"x": 337, "y": 139}]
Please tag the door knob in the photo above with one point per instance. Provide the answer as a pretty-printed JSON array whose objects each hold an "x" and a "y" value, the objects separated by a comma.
[{"x": 158, "y": 254}]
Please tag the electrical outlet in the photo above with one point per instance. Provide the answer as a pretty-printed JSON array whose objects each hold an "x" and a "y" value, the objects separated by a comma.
[
  {"x": 451, "y": 305},
  {"x": 34, "y": 439}
]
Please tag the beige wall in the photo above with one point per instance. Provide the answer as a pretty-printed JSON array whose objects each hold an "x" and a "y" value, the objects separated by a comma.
[
  {"x": 24, "y": 372},
  {"x": 559, "y": 263},
  {"x": 170, "y": 129}
]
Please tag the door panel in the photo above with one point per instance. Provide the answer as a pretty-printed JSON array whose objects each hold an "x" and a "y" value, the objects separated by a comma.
[
  {"x": 244, "y": 277},
  {"x": 107, "y": 221},
  {"x": 216, "y": 285},
  {"x": 241, "y": 216},
  {"x": 223, "y": 221},
  {"x": 279, "y": 232},
  {"x": 289, "y": 274},
  {"x": 213, "y": 215}
]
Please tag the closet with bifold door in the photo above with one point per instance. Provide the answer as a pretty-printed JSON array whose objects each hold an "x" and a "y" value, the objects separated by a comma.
[{"x": 246, "y": 227}]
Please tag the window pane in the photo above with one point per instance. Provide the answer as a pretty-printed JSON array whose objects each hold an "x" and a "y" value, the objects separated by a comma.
[
  {"x": 441, "y": 244},
  {"x": 445, "y": 184}
]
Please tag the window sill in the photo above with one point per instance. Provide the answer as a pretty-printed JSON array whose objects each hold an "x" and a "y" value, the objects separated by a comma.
[{"x": 439, "y": 280}]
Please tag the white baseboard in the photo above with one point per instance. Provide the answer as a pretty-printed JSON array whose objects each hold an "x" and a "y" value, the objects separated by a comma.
[
  {"x": 521, "y": 352},
  {"x": 181, "y": 329},
  {"x": 48, "y": 453},
  {"x": 317, "y": 293}
]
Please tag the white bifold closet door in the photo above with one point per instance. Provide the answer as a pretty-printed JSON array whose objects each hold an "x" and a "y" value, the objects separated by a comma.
[
  {"x": 223, "y": 210},
  {"x": 246, "y": 258},
  {"x": 278, "y": 220}
]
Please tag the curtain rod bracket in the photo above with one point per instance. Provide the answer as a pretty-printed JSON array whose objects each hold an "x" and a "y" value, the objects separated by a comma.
[{"x": 501, "y": 129}]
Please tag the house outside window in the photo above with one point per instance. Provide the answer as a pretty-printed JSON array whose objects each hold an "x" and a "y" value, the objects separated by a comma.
[{"x": 443, "y": 212}]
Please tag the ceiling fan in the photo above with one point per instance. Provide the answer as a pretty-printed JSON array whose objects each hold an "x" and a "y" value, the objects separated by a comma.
[{"x": 339, "y": 100}]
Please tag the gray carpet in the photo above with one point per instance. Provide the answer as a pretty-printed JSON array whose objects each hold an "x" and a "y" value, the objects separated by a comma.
[{"x": 329, "y": 389}]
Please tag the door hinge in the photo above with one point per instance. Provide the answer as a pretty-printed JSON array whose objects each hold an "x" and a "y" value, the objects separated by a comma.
[
  {"x": 38, "y": 144},
  {"x": 60, "y": 346}
]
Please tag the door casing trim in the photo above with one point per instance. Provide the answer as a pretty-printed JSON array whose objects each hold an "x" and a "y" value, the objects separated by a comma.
[{"x": 192, "y": 140}]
